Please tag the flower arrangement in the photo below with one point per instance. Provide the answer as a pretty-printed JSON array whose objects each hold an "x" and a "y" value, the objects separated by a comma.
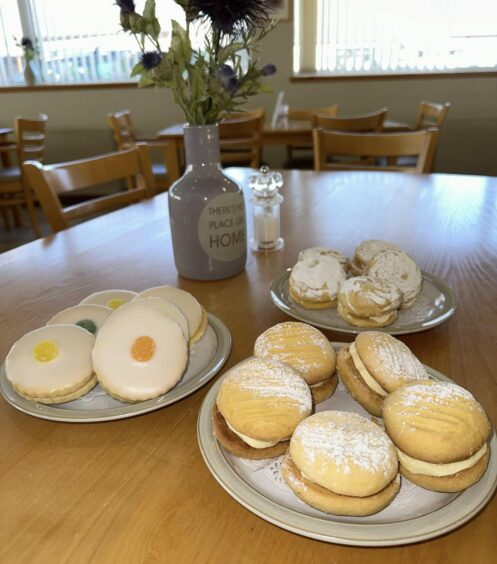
[
  {"x": 211, "y": 82},
  {"x": 30, "y": 52}
]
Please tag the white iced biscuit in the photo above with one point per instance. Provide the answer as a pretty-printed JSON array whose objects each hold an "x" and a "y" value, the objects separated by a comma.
[
  {"x": 139, "y": 354},
  {"x": 52, "y": 364},
  {"x": 91, "y": 317},
  {"x": 110, "y": 298},
  {"x": 186, "y": 303}
]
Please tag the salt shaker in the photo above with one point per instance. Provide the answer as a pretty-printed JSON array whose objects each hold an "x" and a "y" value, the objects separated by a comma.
[{"x": 266, "y": 201}]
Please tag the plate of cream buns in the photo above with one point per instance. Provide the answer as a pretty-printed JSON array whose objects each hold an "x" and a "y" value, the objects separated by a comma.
[
  {"x": 350, "y": 443},
  {"x": 116, "y": 354},
  {"x": 381, "y": 287}
]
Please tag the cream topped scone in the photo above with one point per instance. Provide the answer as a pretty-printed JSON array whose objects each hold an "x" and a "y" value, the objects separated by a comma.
[
  {"x": 189, "y": 306},
  {"x": 259, "y": 404},
  {"x": 366, "y": 302},
  {"x": 325, "y": 252},
  {"x": 304, "y": 348},
  {"x": 52, "y": 364},
  {"x": 399, "y": 269},
  {"x": 110, "y": 298},
  {"x": 342, "y": 463},
  {"x": 139, "y": 354},
  {"x": 366, "y": 251},
  {"x": 375, "y": 365},
  {"x": 90, "y": 316},
  {"x": 315, "y": 281},
  {"x": 441, "y": 435}
]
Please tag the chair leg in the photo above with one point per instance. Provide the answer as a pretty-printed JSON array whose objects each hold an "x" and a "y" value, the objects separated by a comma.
[
  {"x": 6, "y": 218},
  {"x": 32, "y": 216},
  {"x": 16, "y": 212}
]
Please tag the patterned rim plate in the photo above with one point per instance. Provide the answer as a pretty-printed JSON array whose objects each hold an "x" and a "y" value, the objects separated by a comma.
[
  {"x": 415, "y": 514},
  {"x": 435, "y": 305},
  {"x": 206, "y": 359}
]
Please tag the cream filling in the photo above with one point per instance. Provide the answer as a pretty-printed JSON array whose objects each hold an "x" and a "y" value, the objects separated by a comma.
[
  {"x": 363, "y": 371},
  {"x": 254, "y": 443},
  {"x": 317, "y": 385},
  {"x": 439, "y": 470}
]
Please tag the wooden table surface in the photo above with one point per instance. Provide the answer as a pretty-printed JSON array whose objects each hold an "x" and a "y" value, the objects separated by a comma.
[{"x": 137, "y": 490}]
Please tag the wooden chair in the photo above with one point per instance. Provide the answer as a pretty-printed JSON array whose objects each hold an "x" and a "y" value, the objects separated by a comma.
[
  {"x": 124, "y": 136},
  {"x": 296, "y": 114},
  {"x": 373, "y": 146},
  {"x": 431, "y": 114},
  {"x": 364, "y": 123},
  {"x": 14, "y": 188},
  {"x": 240, "y": 138},
  {"x": 52, "y": 180}
]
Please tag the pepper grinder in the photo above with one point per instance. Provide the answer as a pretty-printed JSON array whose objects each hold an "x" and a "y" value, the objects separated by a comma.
[{"x": 266, "y": 201}]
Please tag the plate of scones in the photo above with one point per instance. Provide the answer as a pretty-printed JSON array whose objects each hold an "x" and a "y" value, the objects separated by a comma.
[
  {"x": 114, "y": 355},
  {"x": 380, "y": 288},
  {"x": 349, "y": 443}
]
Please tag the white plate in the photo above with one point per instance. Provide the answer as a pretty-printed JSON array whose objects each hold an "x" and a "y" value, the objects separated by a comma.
[
  {"x": 206, "y": 359},
  {"x": 435, "y": 305},
  {"x": 416, "y": 514}
]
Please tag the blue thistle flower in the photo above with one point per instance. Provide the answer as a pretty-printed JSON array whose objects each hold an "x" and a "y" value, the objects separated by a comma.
[
  {"x": 225, "y": 72},
  {"x": 151, "y": 59},
  {"x": 27, "y": 43},
  {"x": 127, "y": 6},
  {"x": 269, "y": 70},
  {"x": 232, "y": 85}
]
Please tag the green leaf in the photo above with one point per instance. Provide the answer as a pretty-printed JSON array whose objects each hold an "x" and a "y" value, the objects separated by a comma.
[
  {"x": 149, "y": 10},
  {"x": 137, "y": 69},
  {"x": 145, "y": 81}
]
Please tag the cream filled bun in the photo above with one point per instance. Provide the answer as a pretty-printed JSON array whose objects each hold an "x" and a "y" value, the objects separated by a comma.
[
  {"x": 399, "y": 269},
  {"x": 91, "y": 317},
  {"x": 367, "y": 250},
  {"x": 375, "y": 365},
  {"x": 189, "y": 306},
  {"x": 342, "y": 463},
  {"x": 441, "y": 435},
  {"x": 366, "y": 302},
  {"x": 139, "y": 354},
  {"x": 259, "y": 404},
  {"x": 314, "y": 282},
  {"x": 304, "y": 348},
  {"x": 324, "y": 251},
  {"x": 110, "y": 298},
  {"x": 52, "y": 364},
  {"x": 163, "y": 306}
]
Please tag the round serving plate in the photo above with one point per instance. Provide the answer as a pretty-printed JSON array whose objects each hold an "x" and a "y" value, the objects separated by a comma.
[
  {"x": 415, "y": 514},
  {"x": 205, "y": 360},
  {"x": 435, "y": 304}
]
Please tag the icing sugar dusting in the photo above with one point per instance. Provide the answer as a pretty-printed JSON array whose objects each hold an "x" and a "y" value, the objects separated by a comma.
[
  {"x": 397, "y": 360},
  {"x": 323, "y": 251},
  {"x": 271, "y": 379},
  {"x": 367, "y": 250},
  {"x": 348, "y": 439},
  {"x": 317, "y": 276},
  {"x": 443, "y": 394},
  {"x": 356, "y": 292}
]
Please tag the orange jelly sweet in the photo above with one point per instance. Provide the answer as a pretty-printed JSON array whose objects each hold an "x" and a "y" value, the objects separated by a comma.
[{"x": 143, "y": 349}]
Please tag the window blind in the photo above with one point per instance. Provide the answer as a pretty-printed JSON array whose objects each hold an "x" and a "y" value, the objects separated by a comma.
[{"x": 387, "y": 36}]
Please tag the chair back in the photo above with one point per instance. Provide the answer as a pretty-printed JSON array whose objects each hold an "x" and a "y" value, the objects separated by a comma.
[
  {"x": 431, "y": 114},
  {"x": 368, "y": 148},
  {"x": 240, "y": 138},
  {"x": 364, "y": 123},
  {"x": 307, "y": 115},
  {"x": 30, "y": 138},
  {"x": 122, "y": 129},
  {"x": 50, "y": 181}
]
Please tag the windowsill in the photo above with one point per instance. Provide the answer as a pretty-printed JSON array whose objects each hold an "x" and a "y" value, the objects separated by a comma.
[
  {"x": 72, "y": 86},
  {"x": 312, "y": 76}
]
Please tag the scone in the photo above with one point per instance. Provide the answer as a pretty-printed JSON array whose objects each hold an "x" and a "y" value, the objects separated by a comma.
[
  {"x": 399, "y": 269},
  {"x": 314, "y": 282},
  {"x": 259, "y": 404},
  {"x": 110, "y": 298},
  {"x": 304, "y": 348},
  {"x": 91, "y": 317},
  {"x": 52, "y": 364},
  {"x": 189, "y": 306},
  {"x": 375, "y": 365},
  {"x": 139, "y": 354},
  {"x": 441, "y": 435},
  {"x": 366, "y": 302},
  {"x": 325, "y": 252},
  {"x": 366, "y": 251},
  {"x": 342, "y": 463}
]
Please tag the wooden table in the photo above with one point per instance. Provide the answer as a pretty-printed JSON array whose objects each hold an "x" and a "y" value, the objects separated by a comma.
[
  {"x": 137, "y": 490},
  {"x": 5, "y": 146}
]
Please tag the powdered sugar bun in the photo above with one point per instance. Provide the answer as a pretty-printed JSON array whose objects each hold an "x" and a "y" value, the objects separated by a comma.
[
  {"x": 314, "y": 282},
  {"x": 399, "y": 269},
  {"x": 367, "y": 250},
  {"x": 325, "y": 252}
]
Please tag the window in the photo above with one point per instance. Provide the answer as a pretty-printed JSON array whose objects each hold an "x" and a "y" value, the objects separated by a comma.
[
  {"x": 347, "y": 37},
  {"x": 77, "y": 41}
]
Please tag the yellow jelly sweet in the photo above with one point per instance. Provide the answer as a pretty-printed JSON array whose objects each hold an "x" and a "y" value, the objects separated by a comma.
[
  {"x": 115, "y": 303},
  {"x": 45, "y": 351},
  {"x": 143, "y": 349}
]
